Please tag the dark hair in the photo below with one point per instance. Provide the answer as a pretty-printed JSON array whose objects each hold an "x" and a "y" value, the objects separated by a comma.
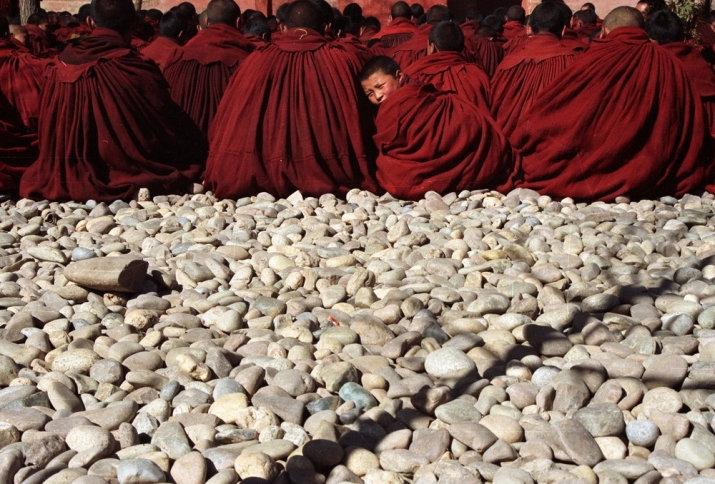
[
  {"x": 222, "y": 12},
  {"x": 447, "y": 37},
  {"x": 516, "y": 12},
  {"x": 474, "y": 14},
  {"x": 117, "y": 15},
  {"x": 585, "y": 16},
  {"x": 400, "y": 10},
  {"x": 547, "y": 17},
  {"x": 354, "y": 12},
  {"x": 372, "y": 22},
  {"x": 665, "y": 27},
  {"x": 259, "y": 28},
  {"x": 154, "y": 14},
  {"x": 172, "y": 24},
  {"x": 4, "y": 27},
  {"x": 381, "y": 63},
  {"x": 305, "y": 14},
  {"x": 282, "y": 11},
  {"x": 438, "y": 13},
  {"x": 417, "y": 10},
  {"x": 493, "y": 22},
  {"x": 589, "y": 6}
]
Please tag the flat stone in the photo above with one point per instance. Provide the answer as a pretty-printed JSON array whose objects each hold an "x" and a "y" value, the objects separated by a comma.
[
  {"x": 120, "y": 274},
  {"x": 578, "y": 443},
  {"x": 136, "y": 471}
]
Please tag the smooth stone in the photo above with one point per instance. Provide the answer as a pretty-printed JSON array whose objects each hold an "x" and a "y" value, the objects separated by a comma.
[
  {"x": 139, "y": 471},
  {"x": 642, "y": 432}
]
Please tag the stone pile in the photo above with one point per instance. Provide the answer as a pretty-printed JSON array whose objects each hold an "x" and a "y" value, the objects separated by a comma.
[{"x": 467, "y": 338}]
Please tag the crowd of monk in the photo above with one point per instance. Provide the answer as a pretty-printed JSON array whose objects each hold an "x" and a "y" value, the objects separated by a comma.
[{"x": 99, "y": 104}]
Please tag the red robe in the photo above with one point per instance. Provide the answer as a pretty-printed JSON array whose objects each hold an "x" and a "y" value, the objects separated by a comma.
[
  {"x": 515, "y": 43},
  {"x": 623, "y": 119},
  {"x": 489, "y": 53},
  {"x": 368, "y": 34},
  {"x": 585, "y": 31},
  {"x": 21, "y": 81},
  {"x": 450, "y": 71},
  {"x": 469, "y": 28},
  {"x": 256, "y": 40},
  {"x": 415, "y": 48},
  {"x": 514, "y": 28},
  {"x": 397, "y": 32},
  {"x": 571, "y": 40},
  {"x": 290, "y": 120},
  {"x": 38, "y": 39},
  {"x": 108, "y": 127},
  {"x": 706, "y": 33},
  {"x": 523, "y": 74},
  {"x": 432, "y": 140},
  {"x": 163, "y": 51},
  {"x": 199, "y": 77},
  {"x": 18, "y": 148}
]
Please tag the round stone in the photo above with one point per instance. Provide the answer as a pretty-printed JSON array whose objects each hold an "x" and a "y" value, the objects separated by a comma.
[{"x": 643, "y": 433}]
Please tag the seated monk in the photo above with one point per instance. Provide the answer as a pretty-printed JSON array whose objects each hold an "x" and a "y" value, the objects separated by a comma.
[
  {"x": 431, "y": 140},
  {"x": 291, "y": 117},
  {"x": 19, "y": 37},
  {"x": 107, "y": 125},
  {"x": 622, "y": 120},
  {"x": 496, "y": 23},
  {"x": 18, "y": 148},
  {"x": 257, "y": 32},
  {"x": 487, "y": 52},
  {"x": 570, "y": 38},
  {"x": 472, "y": 21},
  {"x": 199, "y": 77},
  {"x": 39, "y": 40},
  {"x": 446, "y": 68},
  {"x": 416, "y": 48},
  {"x": 166, "y": 49},
  {"x": 667, "y": 30},
  {"x": 583, "y": 23},
  {"x": 524, "y": 73},
  {"x": 369, "y": 28},
  {"x": 399, "y": 29},
  {"x": 514, "y": 25}
]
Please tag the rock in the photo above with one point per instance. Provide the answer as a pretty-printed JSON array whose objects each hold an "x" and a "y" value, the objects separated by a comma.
[
  {"x": 578, "y": 443},
  {"x": 692, "y": 451},
  {"x": 256, "y": 464},
  {"x": 601, "y": 419},
  {"x": 189, "y": 469},
  {"x": 402, "y": 461},
  {"x": 142, "y": 471},
  {"x": 352, "y": 392},
  {"x": 642, "y": 432},
  {"x": 120, "y": 274},
  {"x": 171, "y": 439},
  {"x": 449, "y": 364}
]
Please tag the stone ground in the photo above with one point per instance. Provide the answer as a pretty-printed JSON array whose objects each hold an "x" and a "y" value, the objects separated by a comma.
[{"x": 461, "y": 339}]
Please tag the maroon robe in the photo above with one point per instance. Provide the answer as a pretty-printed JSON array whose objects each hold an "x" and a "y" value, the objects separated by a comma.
[
  {"x": 514, "y": 28},
  {"x": 198, "y": 79},
  {"x": 706, "y": 33},
  {"x": 139, "y": 44},
  {"x": 515, "y": 43},
  {"x": 415, "y": 48},
  {"x": 21, "y": 81},
  {"x": 585, "y": 31},
  {"x": 450, "y": 71},
  {"x": 623, "y": 119},
  {"x": 163, "y": 51},
  {"x": 469, "y": 28},
  {"x": 38, "y": 39},
  {"x": 397, "y": 32},
  {"x": 489, "y": 53},
  {"x": 523, "y": 74},
  {"x": 571, "y": 40},
  {"x": 256, "y": 40},
  {"x": 432, "y": 140},
  {"x": 290, "y": 120},
  {"x": 18, "y": 148},
  {"x": 368, "y": 34},
  {"x": 108, "y": 127}
]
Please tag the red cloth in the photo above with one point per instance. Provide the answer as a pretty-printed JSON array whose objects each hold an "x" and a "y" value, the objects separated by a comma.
[
  {"x": 489, "y": 53},
  {"x": 39, "y": 41},
  {"x": 290, "y": 120},
  {"x": 706, "y": 33},
  {"x": 396, "y": 32},
  {"x": 515, "y": 43},
  {"x": 571, "y": 40},
  {"x": 415, "y": 48},
  {"x": 256, "y": 40},
  {"x": 584, "y": 33},
  {"x": 450, "y": 71},
  {"x": 163, "y": 51},
  {"x": 199, "y": 77},
  {"x": 368, "y": 34},
  {"x": 21, "y": 81},
  {"x": 469, "y": 28},
  {"x": 621, "y": 120},
  {"x": 514, "y": 28},
  {"x": 139, "y": 44},
  {"x": 523, "y": 74},
  {"x": 108, "y": 127},
  {"x": 18, "y": 148},
  {"x": 431, "y": 140}
]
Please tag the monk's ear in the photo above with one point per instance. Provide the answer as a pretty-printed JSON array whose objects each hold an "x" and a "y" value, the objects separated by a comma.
[
  {"x": 239, "y": 23},
  {"x": 90, "y": 22},
  {"x": 400, "y": 76},
  {"x": 283, "y": 28},
  {"x": 530, "y": 32},
  {"x": 431, "y": 48},
  {"x": 389, "y": 19},
  {"x": 563, "y": 32}
]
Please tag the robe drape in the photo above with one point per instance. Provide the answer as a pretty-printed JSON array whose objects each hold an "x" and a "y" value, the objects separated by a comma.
[
  {"x": 21, "y": 81},
  {"x": 622, "y": 119},
  {"x": 469, "y": 28},
  {"x": 18, "y": 147},
  {"x": 413, "y": 49},
  {"x": 108, "y": 127},
  {"x": 397, "y": 32},
  {"x": 292, "y": 118},
  {"x": 487, "y": 52},
  {"x": 513, "y": 28},
  {"x": 163, "y": 51},
  {"x": 432, "y": 140}
]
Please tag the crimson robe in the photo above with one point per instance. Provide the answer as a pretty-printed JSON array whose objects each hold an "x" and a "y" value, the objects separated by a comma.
[
  {"x": 515, "y": 43},
  {"x": 571, "y": 40},
  {"x": 622, "y": 119},
  {"x": 585, "y": 31},
  {"x": 513, "y": 28},
  {"x": 415, "y": 48},
  {"x": 199, "y": 77},
  {"x": 38, "y": 39},
  {"x": 523, "y": 74},
  {"x": 21, "y": 81},
  {"x": 256, "y": 40},
  {"x": 397, "y": 32},
  {"x": 290, "y": 119},
  {"x": 432, "y": 140},
  {"x": 108, "y": 127},
  {"x": 163, "y": 51},
  {"x": 706, "y": 33},
  {"x": 18, "y": 147},
  {"x": 469, "y": 28},
  {"x": 489, "y": 53},
  {"x": 368, "y": 34},
  {"x": 450, "y": 71}
]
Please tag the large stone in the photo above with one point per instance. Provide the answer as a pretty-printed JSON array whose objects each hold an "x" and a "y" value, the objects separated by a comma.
[
  {"x": 120, "y": 274},
  {"x": 578, "y": 443}
]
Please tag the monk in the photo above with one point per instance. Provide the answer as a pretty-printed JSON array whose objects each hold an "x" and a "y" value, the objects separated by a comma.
[
  {"x": 514, "y": 25},
  {"x": 646, "y": 8},
  {"x": 584, "y": 24},
  {"x": 399, "y": 29},
  {"x": 107, "y": 124},
  {"x": 18, "y": 148},
  {"x": 472, "y": 21},
  {"x": 622, "y": 120},
  {"x": 446, "y": 68},
  {"x": 524, "y": 73},
  {"x": 19, "y": 37},
  {"x": 667, "y": 30},
  {"x": 257, "y": 32},
  {"x": 166, "y": 49},
  {"x": 291, "y": 117},
  {"x": 200, "y": 75},
  {"x": 416, "y": 48},
  {"x": 570, "y": 38},
  {"x": 485, "y": 50},
  {"x": 369, "y": 28},
  {"x": 431, "y": 140},
  {"x": 497, "y": 25}
]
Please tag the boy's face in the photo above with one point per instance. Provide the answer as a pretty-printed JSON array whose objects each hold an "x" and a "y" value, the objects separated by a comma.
[{"x": 380, "y": 86}]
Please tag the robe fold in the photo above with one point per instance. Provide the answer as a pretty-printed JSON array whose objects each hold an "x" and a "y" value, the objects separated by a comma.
[
  {"x": 18, "y": 148},
  {"x": 513, "y": 28},
  {"x": 292, "y": 118},
  {"x": 256, "y": 40},
  {"x": 38, "y": 39},
  {"x": 432, "y": 140},
  {"x": 396, "y": 32},
  {"x": 523, "y": 74},
  {"x": 163, "y": 51},
  {"x": 571, "y": 40},
  {"x": 198, "y": 78},
  {"x": 469, "y": 28},
  {"x": 585, "y": 31},
  {"x": 450, "y": 71},
  {"x": 415, "y": 48},
  {"x": 515, "y": 43},
  {"x": 487, "y": 52},
  {"x": 108, "y": 127},
  {"x": 622, "y": 119},
  {"x": 21, "y": 81},
  {"x": 367, "y": 34}
]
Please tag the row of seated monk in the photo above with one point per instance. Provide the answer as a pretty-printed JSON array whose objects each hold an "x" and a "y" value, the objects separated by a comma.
[{"x": 619, "y": 107}]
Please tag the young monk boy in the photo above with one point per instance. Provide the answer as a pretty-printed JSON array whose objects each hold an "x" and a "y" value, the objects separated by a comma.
[{"x": 431, "y": 140}]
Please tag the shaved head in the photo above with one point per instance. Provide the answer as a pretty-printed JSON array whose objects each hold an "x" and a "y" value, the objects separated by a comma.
[
  {"x": 447, "y": 37},
  {"x": 224, "y": 12},
  {"x": 622, "y": 17},
  {"x": 401, "y": 10},
  {"x": 304, "y": 14},
  {"x": 438, "y": 13},
  {"x": 203, "y": 16},
  {"x": 117, "y": 15}
]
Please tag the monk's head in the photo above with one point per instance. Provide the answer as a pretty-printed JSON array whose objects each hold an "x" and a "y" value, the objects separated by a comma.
[
  {"x": 547, "y": 18},
  {"x": 84, "y": 13},
  {"x": 517, "y": 13},
  {"x": 172, "y": 24},
  {"x": 416, "y": 11},
  {"x": 354, "y": 12},
  {"x": 475, "y": 15},
  {"x": 486, "y": 32},
  {"x": 646, "y": 8},
  {"x": 400, "y": 10},
  {"x": 445, "y": 37},
  {"x": 154, "y": 14},
  {"x": 222, "y": 12},
  {"x": 39, "y": 19},
  {"x": 494, "y": 23},
  {"x": 370, "y": 23},
  {"x": 379, "y": 78},
  {"x": 258, "y": 28},
  {"x": 304, "y": 14},
  {"x": 203, "y": 20},
  {"x": 665, "y": 27},
  {"x": 117, "y": 15},
  {"x": 622, "y": 17},
  {"x": 187, "y": 9},
  {"x": 438, "y": 13},
  {"x": 19, "y": 34},
  {"x": 588, "y": 6},
  {"x": 282, "y": 12},
  {"x": 583, "y": 17}
]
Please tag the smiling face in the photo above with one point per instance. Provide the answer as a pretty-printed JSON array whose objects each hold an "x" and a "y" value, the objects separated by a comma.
[{"x": 379, "y": 86}]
